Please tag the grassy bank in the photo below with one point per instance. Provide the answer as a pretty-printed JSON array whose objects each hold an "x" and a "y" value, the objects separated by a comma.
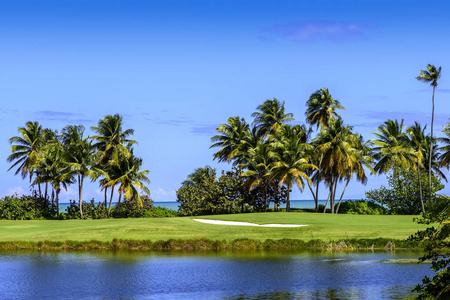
[
  {"x": 206, "y": 244},
  {"x": 324, "y": 227}
]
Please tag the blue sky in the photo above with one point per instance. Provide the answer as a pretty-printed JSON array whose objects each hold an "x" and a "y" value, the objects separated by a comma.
[{"x": 176, "y": 70}]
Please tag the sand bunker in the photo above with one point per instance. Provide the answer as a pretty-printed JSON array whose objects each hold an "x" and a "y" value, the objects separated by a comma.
[{"x": 218, "y": 222}]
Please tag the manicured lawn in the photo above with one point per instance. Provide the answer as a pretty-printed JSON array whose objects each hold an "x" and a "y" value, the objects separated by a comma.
[{"x": 321, "y": 226}]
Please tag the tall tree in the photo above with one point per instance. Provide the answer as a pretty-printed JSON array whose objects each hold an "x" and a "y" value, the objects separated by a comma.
[
  {"x": 232, "y": 140},
  {"x": 431, "y": 75},
  {"x": 80, "y": 156},
  {"x": 321, "y": 108},
  {"x": 292, "y": 161},
  {"x": 417, "y": 141},
  {"x": 336, "y": 144},
  {"x": 199, "y": 174},
  {"x": 112, "y": 144},
  {"x": 270, "y": 116},
  {"x": 25, "y": 149}
]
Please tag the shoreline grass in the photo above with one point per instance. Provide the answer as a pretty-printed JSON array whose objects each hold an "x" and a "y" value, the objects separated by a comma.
[{"x": 212, "y": 245}]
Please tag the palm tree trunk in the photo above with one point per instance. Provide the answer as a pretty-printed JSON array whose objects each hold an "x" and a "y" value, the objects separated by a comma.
[
  {"x": 106, "y": 197},
  {"x": 420, "y": 186},
  {"x": 342, "y": 195},
  {"x": 110, "y": 200},
  {"x": 120, "y": 197},
  {"x": 328, "y": 199},
  {"x": 46, "y": 189},
  {"x": 57, "y": 202},
  {"x": 40, "y": 192},
  {"x": 316, "y": 199},
  {"x": 288, "y": 202},
  {"x": 80, "y": 192},
  {"x": 431, "y": 149}
]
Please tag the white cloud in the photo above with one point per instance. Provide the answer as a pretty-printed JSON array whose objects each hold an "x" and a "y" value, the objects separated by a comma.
[
  {"x": 161, "y": 194},
  {"x": 16, "y": 190}
]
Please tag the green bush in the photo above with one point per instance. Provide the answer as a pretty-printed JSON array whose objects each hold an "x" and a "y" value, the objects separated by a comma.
[
  {"x": 131, "y": 208},
  {"x": 90, "y": 210},
  {"x": 160, "y": 212},
  {"x": 26, "y": 208},
  {"x": 362, "y": 207}
]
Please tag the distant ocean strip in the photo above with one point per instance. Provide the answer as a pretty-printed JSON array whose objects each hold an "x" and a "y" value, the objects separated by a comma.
[{"x": 174, "y": 205}]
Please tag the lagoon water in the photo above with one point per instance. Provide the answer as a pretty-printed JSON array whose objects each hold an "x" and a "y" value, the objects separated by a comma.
[{"x": 208, "y": 275}]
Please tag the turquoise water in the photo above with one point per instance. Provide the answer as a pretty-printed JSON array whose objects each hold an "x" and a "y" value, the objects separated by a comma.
[
  {"x": 208, "y": 275},
  {"x": 174, "y": 205}
]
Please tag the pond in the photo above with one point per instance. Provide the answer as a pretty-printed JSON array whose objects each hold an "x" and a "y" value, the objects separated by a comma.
[{"x": 209, "y": 275}]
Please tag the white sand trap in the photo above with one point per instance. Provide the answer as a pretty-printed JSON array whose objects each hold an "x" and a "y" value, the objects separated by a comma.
[{"x": 218, "y": 222}]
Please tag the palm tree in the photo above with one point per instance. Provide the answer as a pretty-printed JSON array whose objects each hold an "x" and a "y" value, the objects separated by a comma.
[
  {"x": 270, "y": 116},
  {"x": 431, "y": 75},
  {"x": 321, "y": 108},
  {"x": 199, "y": 174},
  {"x": 112, "y": 141},
  {"x": 417, "y": 142},
  {"x": 25, "y": 149},
  {"x": 292, "y": 161},
  {"x": 131, "y": 179},
  {"x": 392, "y": 148},
  {"x": 445, "y": 157},
  {"x": 80, "y": 156},
  {"x": 232, "y": 140},
  {"x": 258, "y": 164},
  {"x": 53, "y": 164},
  {"x": 336, "y": 145},
  {"x": 112, "y": 144}
]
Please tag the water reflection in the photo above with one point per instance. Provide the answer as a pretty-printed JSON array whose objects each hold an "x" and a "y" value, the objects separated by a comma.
[{"x": 208, "y": 275}]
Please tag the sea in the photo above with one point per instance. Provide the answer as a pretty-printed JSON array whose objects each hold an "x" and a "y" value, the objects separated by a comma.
[{"x": 300, "y": 204}]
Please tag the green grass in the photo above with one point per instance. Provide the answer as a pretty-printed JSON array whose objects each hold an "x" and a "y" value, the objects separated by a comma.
[{"x": 325, "y": 227}]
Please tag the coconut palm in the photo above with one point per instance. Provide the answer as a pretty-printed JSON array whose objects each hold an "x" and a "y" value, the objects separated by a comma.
[
  {"x": 232, "y": 140},
  {"x": 257, "y": 164},
  {"x": 80, "y": 155},
  {"x": 112, "y": 144},
  {"x": 392, "y": 148},
  {"x": 131, "y": 179},
  {"x": 270, "y": 116},
  {"x": 445, "y": 156},
  {"x": 291, "y": 159},
  {"x": 336, "y": 145},
  {"x": 112, "y": 141},
  {"x": 321, "y": 108},
  {"x": 52, "y": 164},
  {"x": 431, "y": 75},
  {"x": 199, "y": 174},
  {"x": 417, "y": 141},
  {"x": 25, "y": 149}
]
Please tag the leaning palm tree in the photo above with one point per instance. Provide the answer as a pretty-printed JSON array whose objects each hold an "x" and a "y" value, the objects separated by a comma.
[
  {"x": 25, "y": 149},
  {"x": 131, "y": 179},
  {"x": 270, "y": 117},
  {"x": 431, "y": 75},
  {"x": 291, "y": 159},
  {"x": 321, "y": 108},
  {"x": 417, "y": 140}
]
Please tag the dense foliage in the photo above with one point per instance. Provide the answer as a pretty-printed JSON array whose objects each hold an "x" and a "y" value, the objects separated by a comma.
[
  {"x": 362, "y": 207},
  {"x": 26, "y": 208},
  {"x": 436, "y": 240},
  {"x": 402, "y": 196},
  {"x": 208, "y": 194},
  {"x": 48, "y": 158}
]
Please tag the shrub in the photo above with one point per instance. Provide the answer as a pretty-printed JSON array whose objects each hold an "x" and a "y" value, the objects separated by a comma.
[
  {"x": 160, "y": 212},
  {"x": 90, "y": 210},
  {"x": 26, "y": 208},
  {"x": 362, "y": 207}
]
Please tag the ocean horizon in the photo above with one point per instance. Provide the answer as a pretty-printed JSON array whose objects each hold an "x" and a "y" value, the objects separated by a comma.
[{"x": 301, "y": 204}]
